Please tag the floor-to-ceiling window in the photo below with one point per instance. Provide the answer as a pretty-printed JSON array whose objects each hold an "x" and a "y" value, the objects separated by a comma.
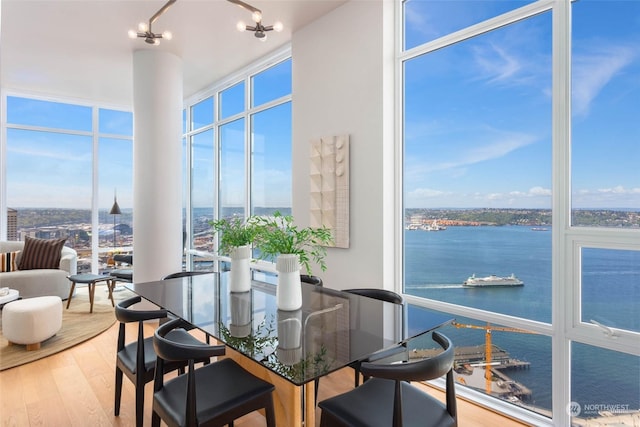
[
  {"x": 65, "y": 163},
  {"x": 245, "y": 169},
  {"x": 521, "y": 209}
]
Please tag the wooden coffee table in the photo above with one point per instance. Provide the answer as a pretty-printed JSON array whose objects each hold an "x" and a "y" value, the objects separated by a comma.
[{"x": 91, "y": 280}]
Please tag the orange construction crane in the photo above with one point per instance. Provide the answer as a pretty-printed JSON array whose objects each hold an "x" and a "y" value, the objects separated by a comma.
[{"x": 488, "y": 349}]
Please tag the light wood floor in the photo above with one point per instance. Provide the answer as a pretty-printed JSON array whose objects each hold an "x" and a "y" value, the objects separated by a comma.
[{"x": 76, "y": 388}]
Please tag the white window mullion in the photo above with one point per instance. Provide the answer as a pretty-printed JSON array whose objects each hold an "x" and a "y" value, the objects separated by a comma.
[
  {"x": 582, "y": 330},
  {"x": 95, "y": 220},
  {"x": 187, "y": 171},
  {"x": 561, "y": 211},
  {"x": 248, "y": 146},
  {"x": 3, "y": 167}
]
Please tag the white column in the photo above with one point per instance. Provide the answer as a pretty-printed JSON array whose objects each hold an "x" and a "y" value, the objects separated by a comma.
[{"x": 157, "y": 174}]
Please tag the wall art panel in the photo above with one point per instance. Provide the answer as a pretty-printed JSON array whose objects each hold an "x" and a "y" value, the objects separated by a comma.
[{"x": 329, "y": 174}]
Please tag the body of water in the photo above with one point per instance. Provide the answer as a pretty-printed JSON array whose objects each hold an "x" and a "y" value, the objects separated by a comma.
[{"x": 437, "y": 264}]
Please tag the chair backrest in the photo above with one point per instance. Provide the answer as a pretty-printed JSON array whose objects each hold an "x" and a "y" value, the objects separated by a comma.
[
  {"x": 171, "y": 343},
  {"x": 314, "y": 280},
  {"x": 423, "y": 370},
  {"x": 382, "y": 295},
  {"x": 184, "y": 274},
  {"x": 125, "y": 315},
  {"x": 123, "y": 258}
]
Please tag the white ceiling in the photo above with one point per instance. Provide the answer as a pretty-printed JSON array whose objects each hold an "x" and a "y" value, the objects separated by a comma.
[{"x": 80, "y": 48}]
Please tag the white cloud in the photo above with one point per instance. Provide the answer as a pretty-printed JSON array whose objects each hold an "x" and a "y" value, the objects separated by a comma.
[
  {"x": 619, "y": 189},
  {"x": 539, "y": 191},
  {"x": 594, "y": 70},
  {"x": 535, "y": 197},
  {"x": 497, "y": 64},
  {"x": 498, "y": 144},
  {"x": 512, "y": 196},
  {"x": 425, "y": 193},
  {"x": 49, "y": 154},
  {"x": 612, "y": 197}
]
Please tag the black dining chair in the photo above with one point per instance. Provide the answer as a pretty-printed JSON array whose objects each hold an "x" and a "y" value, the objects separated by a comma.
[
  {"x": 137, "y": 359},
  {"x": 122, "y": 274},
  {"x": 387, "y": 399},
  {"x": 314, "y": 280},
  {"x": 178, "y": 275},
  {"x": 387, "y": 296},
  {"x": 212, "y": 395}
]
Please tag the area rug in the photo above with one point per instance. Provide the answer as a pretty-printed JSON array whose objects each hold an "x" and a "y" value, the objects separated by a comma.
[{"x": 78, "y": 325}]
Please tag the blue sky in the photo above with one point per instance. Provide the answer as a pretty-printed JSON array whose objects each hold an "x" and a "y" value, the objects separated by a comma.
[
  {"x": 477, "y": 120},
  {"x": 478, "y": 114}
]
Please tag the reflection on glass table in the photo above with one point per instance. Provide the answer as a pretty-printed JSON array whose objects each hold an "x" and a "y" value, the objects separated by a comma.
[{"x": 331, "y": 330}]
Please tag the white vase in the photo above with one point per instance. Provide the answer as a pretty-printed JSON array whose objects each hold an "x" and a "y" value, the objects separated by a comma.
[
  {"x": 289, "y": 289},
  {"x": 289, "y": 348},
  {"x": 240, "y": 275},
  {"x": 240, "y": 307}
]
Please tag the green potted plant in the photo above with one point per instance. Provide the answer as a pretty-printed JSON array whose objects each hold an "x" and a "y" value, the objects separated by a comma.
[
  {"x": 235, "y": 237},
  {"x": 278, "y": 237}
]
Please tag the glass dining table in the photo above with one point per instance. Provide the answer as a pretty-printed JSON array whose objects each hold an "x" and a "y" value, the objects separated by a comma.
[{"x": 288, "y": 348}]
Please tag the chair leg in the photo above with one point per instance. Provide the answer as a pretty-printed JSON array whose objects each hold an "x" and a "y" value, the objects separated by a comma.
[
  {"x": 155, "y": 419},
  {"x": 357, "y": 377},
  {"x": 116, "y": 405},
  {"x": 139, "y": 404},
  {"x": 270, "y": 413},
  {"x": 315, "y": 391}
]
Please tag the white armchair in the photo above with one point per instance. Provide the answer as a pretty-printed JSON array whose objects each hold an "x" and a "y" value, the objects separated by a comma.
[{"x": 40, "y": 282}]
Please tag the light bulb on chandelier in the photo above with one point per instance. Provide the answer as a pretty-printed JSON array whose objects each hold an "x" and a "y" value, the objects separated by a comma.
[
  {"x": 145, "y": 32},
  {"x": 259, "y": 30}
]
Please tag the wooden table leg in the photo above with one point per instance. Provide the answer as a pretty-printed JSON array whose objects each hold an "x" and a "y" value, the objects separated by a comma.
[
  {"x": 111, "y": 284},
  {"x": 294, "y": 405},
  {"x": 73, "y": 286},
  {"x": 92, "y": 291},
  {"x": 310, "y": 404}
]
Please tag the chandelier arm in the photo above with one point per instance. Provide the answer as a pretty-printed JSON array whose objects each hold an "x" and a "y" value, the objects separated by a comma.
[
  {"x": 245, "y": 6},
  {"x": 162, "y": 10}
]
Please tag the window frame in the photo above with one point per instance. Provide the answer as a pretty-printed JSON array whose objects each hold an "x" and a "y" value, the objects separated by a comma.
[
  {"x": 245, "y": 76},
  {"x": 566, "y": 325},
  {"x": 95, "y": 136}
]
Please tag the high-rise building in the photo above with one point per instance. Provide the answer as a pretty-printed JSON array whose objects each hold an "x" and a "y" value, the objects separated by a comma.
[{"x": 12, "y": 224}]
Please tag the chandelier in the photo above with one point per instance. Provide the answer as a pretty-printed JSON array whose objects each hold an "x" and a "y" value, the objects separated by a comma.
[
  {"x": 259, "y": 30},
  {"x": 144, "y": 29}
]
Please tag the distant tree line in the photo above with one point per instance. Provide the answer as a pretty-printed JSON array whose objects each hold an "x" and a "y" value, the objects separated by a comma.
[
  {"x": 532, "y": 217},
  {"x": 51, "y": 217},
  {"x": 33, "y": 218}
]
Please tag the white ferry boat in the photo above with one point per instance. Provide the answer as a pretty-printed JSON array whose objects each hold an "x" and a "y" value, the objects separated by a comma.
[
  {"x": 493, "y": 280},
  {"x": 434, "y": 226}
]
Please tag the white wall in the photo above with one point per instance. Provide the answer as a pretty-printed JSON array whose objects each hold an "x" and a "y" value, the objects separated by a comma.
[{"x": 342, "y": 84}]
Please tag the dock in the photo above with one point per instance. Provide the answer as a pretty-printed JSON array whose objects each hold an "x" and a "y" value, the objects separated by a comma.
[{"x": 469, "y": 369}]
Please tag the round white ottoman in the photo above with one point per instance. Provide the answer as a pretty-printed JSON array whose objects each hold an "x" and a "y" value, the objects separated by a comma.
[{"x": 31, "y": 321}]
